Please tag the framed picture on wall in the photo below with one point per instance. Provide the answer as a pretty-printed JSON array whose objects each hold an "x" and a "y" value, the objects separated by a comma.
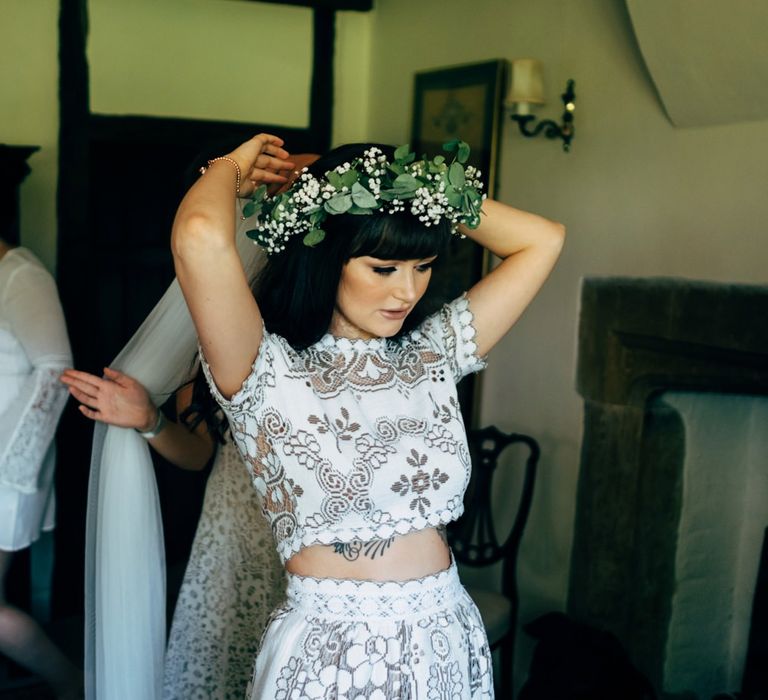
[{"x": 461, "y": 102}]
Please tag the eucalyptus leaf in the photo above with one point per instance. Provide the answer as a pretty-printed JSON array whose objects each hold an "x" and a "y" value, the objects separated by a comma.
[
  {"x": 250, "y": 209},
  {"x": 335, "y": 179},
  {"x": 406, "y": 181},
  {"x": 451, "y": 145},
  {"x": 402, "y": 151},
  {"x": 453, "y": 197},
  {"x": 397, "y": 168},
  {"x": 401, "y": 193},
  {"x": 463, "y": 153},
  {"x": 315, "y": 236},
  {"x": 474, "y": 196},
  {"x": 253, "y": 234},
  {"x": 259, "y": 194},
  {"x": 338, "y": 204},
  {"x": 354, "y": 209},
  {"x": 362, "y": 197},
  {"x": 456, "y": 175},
  {"x": 437, "y": 168},
  {"x": 349, "y": 178},
  {"x": 471, "y": 206}
]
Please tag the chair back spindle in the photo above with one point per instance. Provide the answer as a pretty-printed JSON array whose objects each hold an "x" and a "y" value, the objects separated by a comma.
[{"x": 473, "y": 536}]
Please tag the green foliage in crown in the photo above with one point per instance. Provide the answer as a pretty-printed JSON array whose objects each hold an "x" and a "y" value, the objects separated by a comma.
[{"x": 431, "y": 190}]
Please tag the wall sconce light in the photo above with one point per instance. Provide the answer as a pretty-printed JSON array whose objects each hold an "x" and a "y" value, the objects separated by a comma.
[{"x": 526, "y": 89}]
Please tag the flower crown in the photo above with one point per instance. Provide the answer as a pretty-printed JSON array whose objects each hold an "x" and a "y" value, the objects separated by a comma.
[{"x": 432, "y": 189}]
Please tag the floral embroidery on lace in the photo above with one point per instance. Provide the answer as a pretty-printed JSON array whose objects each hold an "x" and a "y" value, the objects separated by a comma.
[
  {"x": 35, "y": 429},
  {"x": 319, "y": 429},
  {"x": 419, "y": 483},
  {"x": 367, "y": 639}
]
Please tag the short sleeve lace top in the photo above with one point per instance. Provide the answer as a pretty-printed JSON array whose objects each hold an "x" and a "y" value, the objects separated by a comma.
[{"x": 357, "y": 439}]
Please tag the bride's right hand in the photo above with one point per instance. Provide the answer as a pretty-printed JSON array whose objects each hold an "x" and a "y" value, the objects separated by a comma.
[
  {"x": 262, "y": 159},
  {"x": 116, "y": 398}
]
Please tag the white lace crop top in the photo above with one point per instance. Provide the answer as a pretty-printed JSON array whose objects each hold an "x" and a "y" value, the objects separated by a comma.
[{"x": 357, "y": 439}]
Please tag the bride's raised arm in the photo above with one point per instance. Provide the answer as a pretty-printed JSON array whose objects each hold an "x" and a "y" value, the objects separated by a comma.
[
  {"x": 528, "y": 245},
  {"x": 207, "y": 264}
]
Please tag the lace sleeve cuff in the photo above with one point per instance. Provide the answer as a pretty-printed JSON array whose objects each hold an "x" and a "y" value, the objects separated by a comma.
[
  {"x": 38, "y": 407},
  {"x": 251, "y": 390},
  {"x": 468, "y": 360},
  {"x": 453, "y": 328}
]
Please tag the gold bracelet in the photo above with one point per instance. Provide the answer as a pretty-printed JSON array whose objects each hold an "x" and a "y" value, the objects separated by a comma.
[{"x": 229, "y": 160}]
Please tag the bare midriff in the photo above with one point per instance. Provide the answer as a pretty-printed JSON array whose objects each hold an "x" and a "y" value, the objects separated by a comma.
[{"x": 399, "y": 558}]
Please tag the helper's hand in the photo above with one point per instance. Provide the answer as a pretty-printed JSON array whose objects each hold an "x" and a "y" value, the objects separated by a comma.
[
  {"x": 262, "y": 160},
  {"x": 300, "y": 160},
  {"x": 116, "y": 399}
]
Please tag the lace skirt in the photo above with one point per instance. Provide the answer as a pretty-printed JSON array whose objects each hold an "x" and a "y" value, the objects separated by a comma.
[
  {"x": 233, "y": 581},
  {"x": 417, "y": 640}
]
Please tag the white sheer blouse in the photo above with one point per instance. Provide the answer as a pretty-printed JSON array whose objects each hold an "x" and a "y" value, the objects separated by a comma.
[{"x": 34, "y": 348}]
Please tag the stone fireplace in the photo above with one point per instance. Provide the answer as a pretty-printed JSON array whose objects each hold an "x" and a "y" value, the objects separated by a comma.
[{"x": 638, "y": 339}]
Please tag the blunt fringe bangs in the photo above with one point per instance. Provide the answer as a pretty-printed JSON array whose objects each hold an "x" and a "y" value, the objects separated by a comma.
[{"x": 296, "y": 291}]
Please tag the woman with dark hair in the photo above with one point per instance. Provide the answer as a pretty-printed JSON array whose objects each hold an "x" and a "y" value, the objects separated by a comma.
[{"x": 348, "y": 421}]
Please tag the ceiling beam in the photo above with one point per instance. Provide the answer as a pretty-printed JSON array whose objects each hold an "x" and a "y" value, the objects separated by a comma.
[{"x": 358, "y": 5}]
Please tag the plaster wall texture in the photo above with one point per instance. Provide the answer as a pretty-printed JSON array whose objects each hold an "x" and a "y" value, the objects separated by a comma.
[
  {"x": 29, "y": 112},
  {"x": 639, "y": 197},
  {"x": 236, "y": 61}
]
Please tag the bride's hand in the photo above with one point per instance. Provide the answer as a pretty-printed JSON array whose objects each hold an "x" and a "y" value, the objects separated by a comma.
[
  {"x": 116, "y": 399},
  {"x": 262, "y": 160}
]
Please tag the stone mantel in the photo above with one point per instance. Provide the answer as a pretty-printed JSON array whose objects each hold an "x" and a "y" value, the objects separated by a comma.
[{"x": 639, "y": 338}]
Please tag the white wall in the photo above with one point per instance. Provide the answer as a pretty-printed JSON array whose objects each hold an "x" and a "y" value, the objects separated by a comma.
[
  {"x": 722, "y": 526},
  {"x": 229, "y": 60},
  {"x": 639, "y": 197},
  {"x": 238, "y": 61},
  {"x": 29, "y": 112}
]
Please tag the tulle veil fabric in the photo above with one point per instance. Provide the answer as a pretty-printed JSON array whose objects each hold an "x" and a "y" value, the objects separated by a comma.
[{"x": 125, "y": 613}]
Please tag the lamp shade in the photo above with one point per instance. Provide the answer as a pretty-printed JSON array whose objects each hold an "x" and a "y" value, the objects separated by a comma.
[{"x": 527, "y": 83}]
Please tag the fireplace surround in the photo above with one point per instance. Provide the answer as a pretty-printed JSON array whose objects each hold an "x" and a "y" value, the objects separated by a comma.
[{"x": 637, "y": 339}]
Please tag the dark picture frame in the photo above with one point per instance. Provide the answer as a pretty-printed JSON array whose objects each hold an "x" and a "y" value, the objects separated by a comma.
[{"x": 461, "y": 102}]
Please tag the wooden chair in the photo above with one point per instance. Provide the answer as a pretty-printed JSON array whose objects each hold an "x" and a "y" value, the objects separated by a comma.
[{"x": 475, "y": 544}]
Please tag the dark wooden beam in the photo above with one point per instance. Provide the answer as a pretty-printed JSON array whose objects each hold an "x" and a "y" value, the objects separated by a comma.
[
  {"x": 73, "y": 257},
  {"x": 333, "y": 5},
  {"x": 321, "y": 90},
  {"x": 72, "y": 192},
  {"x": 174, "y": 131}
]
